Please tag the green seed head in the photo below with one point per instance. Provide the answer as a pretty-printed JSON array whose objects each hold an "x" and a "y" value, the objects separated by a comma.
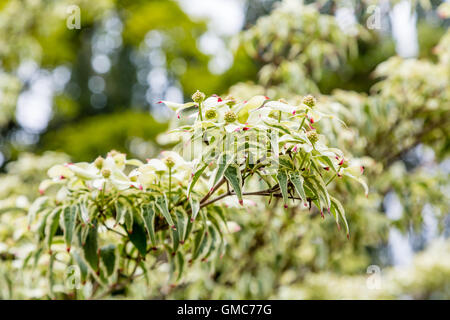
[
  {"x": 98, "y": 162},
  {"x": 106, "y": 173},
  {"x": 230, "y": 116},
  {"x": 198, "y": 96},
  {"x": 169, "y": 162},
  {"x": 113, "y": 153},
  {"x": 312, "y": 136},
  {"x": 309, "y": 100},
  {"x": 231, "y": 101},
  {"x": 210, "y": 114}
]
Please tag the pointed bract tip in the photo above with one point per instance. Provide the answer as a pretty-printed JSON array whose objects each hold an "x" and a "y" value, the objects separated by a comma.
[
  {"x": 267, "y": 98},
  {"x": 68, "y": 249},
  {"x": 173, "y": 227},
  {"x": 285, "y": 206},
  {"x": 293, "y": 112},
  {"x": 348, "y": 236},
  {"x": 160, "y": 101},
  {"x": 241, "y": 202},
  {"x": 219, "y": 99},
  {"x": 41, "y": 192}
]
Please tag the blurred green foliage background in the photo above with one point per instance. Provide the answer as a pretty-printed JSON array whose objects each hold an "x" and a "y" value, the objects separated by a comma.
[{"x": 72, "y": 94}]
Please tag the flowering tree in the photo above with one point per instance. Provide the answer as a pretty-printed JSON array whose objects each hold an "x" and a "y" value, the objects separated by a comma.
[{"x": 116, "y": 212}]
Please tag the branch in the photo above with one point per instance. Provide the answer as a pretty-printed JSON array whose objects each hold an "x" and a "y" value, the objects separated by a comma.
[
  {"x": 263, "y": 193},
  {"x": 214, "y": 189}
]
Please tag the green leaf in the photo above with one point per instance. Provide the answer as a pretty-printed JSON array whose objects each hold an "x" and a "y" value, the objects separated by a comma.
[
  {"x": 70, "y": 218},
  {"x": 181, "y": 224},
  {"x": 323, "y": 189},
  {"x": 194, "y": 179},
  {"x": 223, "y": 162},
  {"x": 82, "y": 265},
  {"x": 52, "y": 226},
  {"x": 180, "y": 263},
  {"x": 90, "y": 248},
  {"x": 195, "y": 207},
  {"x": 42, "y": 224},
  {"x": 198, "y": 241},
  {"x": 108, "y": 257},
  {"x": 120, "y": 212},
  {"x": 328, "y": 162},
  {"x": 233, "y": 175},
  {"x": 83, "y": 212},
  {"x": 38, "y": 205},
  {"x": 175, "y": 240},
  {"x": 138, "y": 237},
  {"x": 212, "y": 245},
  {"x": 148, "y": 215},
  {"x": 310, "y": 185},
  {"x": 339, "y": 208},
  {"x": 283, "y": 182},
  {"x": 128, "y": 215},
  {"x": 297, "y": 180},
  {"x": 51, "y": 280},
  {"x": 161, "y": 204}
]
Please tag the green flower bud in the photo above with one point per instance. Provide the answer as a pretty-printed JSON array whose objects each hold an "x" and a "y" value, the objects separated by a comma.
[
  {"x": 230, "y": 116},
  {"x": 309, "y": 100},
  {"x": 169, "y": 162},
  {"x": 113, "y": 153},
  {"x": 98, "y": 162},
  {"x": 106, "y": 173},
  {"x": 312, "y": 136},
  {"x": 210, "y": 114},
  {"x": 231, "y": 102},
  {"x": 198, "y": 96}
]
